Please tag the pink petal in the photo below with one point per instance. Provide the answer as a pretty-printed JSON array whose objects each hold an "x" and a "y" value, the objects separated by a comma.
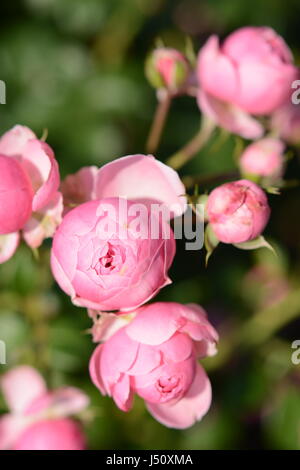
[
  {"x": 14, "y": 140},
  {"x": 191, "y": 408},
  {"x": 8, "y": 245},
  {"x": 43, "y": 224},
  {"x": 62, "y": 402},
  {"x": 216, "y": 72},
  {"x": 39, "y": 162},
  {"x": 122, "y": 394},
  {"x": 148, "y": 358},
  {"x": 79, "y": 187},
  {"x": 21, "y": 386},
  {"x": 230, "y": 117},
  {"x": 155, "y": 323},
  {"x": 11, "y": 426},
  {"x": 142, "y": 177},
  {"x": 178, "y": 348},
  {"x": 95, "y": 369}
]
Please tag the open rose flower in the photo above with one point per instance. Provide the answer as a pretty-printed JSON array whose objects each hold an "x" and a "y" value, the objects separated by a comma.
[
  {"x": 237, "y": 211},
  {"x": 112, "y": 254},
  {"x": 263, "y": 159},
  {"x": 249, "y": 74},
  {"x": 155, "y": 356},
  {"x": 39, "y": 418},
  {"x": 30, "y": 203}
]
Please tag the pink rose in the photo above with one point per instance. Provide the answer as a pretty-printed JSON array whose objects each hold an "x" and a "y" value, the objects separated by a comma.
[
  {"x": 167, "y": 68},
  {"x": 38, "y": 418},
  {"x": 263, "y": 158},
  {"x": 135, "y": 177},
  {"x": 29, "y": 181},
  {"x": 238, "y": 211},
  {"x": 155, "y": 356},
  {"x": 250, "y": 73},
  {"x": 112, "y": 254}
]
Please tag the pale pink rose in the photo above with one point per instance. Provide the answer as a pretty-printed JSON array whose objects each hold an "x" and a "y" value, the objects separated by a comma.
[
  {"x": 167, "y": 68},
  {"x": 35, "y": 413},
  {"x": 238, "y": 211},
  {"x": 155, "y": 356},
  {"x": 263, "y": 158},
  {"x": 16, "y": 196},
  {"x": 106, "y": 256},
  {"x": 137, "y": 177},
  {"x": 33, "y": 188},
  {"x": 252, "y": 70}
]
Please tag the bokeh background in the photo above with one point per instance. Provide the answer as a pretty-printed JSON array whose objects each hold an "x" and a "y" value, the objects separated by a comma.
[{"x": 76, "y": 67}]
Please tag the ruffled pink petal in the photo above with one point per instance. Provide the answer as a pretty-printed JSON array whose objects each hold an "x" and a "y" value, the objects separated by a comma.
[
  {"x": 39, "y": 162},
  {"x": 148, "y": 358},
  {"x": 13, "y": 141},
  {"x": 43, "y": 224},
  {"x": 142, "y": 177},
  {"x": 95, "y": 369},
  {"x": 178, "y": 348},
  {"x": 21, "y": 386},
  {"x": 216, "y": 72},
  {"x": 230, "y": 117},
  {"x": 107, "y": 324},
  {"x": 122, "y": 394},
  {"x": 8, "y": 245},
  {"x": 191, "y": 408},
  {"x": 155, "y": 323}
]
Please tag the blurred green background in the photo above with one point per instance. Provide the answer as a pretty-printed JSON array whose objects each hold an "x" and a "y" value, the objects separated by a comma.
[{"x": 75, "y": 67}]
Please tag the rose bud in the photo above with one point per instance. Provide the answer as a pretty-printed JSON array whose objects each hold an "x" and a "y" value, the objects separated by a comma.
[
  {"x": 16, "y": 196},
  {"x": 237, "y": 211},
  {"x": 250, "y": 73},
  {"x": 112, "y": 254},
  {"x": 263, "y": 159},
  {"x": 39, "y": 418},
  {"x": 167, "y": 68},
  {"x": 155, "y": 356}
]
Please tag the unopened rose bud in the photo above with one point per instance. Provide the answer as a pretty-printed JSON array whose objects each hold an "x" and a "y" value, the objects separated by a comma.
[
  {"x": 238, "y": 211},
  {"x": 167, "y": 68},
  {"x": 263, "y": 159}
]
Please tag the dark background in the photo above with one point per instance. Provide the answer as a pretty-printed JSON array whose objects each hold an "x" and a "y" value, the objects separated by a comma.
[{"x": 76, "y": 67}]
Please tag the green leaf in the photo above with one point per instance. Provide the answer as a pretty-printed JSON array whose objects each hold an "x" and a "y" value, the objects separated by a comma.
[{"x": 259, "y": 242}]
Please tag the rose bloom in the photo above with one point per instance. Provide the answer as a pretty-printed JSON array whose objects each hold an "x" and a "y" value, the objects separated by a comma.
[
  {"x": 251, "y": 72},
  {"x": 39, "y": 418},
  {"x": 29, "y": 197},
  {"x": 155, "y": 356},
  {"x": 263, "y": 158},
  {"x": 237, "y": 211},
  {"x": 105, "y": 257}
]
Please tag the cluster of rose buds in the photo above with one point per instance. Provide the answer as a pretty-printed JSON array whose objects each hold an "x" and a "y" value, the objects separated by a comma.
[{"x": 112, "y": 251}]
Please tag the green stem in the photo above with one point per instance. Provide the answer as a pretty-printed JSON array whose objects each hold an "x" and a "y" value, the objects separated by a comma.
[
  {"x": 183, "y": 156},
  {"x": 159, "y": 121}
]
